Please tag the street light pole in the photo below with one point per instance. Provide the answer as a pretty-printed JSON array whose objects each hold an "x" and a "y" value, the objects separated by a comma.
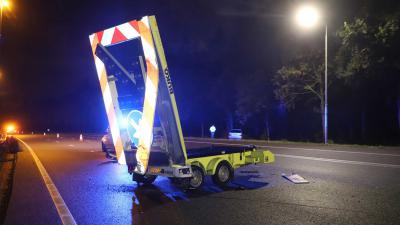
[
  {"x": 307, "y": 16},
  {"x": 1, "y": 15},
  {"x": 326, "y": 87},
  {"x": 6, "y": 4}
]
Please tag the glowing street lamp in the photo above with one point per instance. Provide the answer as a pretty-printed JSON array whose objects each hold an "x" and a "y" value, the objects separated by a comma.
[
  {"x": 4, "y": 4},
  {"x": 308, "y": 16},
  {"x": 10, "y": 128}
]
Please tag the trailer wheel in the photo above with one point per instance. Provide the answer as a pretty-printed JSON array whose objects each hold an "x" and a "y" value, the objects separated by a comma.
[
  {"x": 198, "y": 177},
  {"x": 143, "y": 179},
  {"x": 223, "y": 174}
]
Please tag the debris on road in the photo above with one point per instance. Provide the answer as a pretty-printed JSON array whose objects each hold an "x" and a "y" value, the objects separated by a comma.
[{"x": 295, "y": 178}]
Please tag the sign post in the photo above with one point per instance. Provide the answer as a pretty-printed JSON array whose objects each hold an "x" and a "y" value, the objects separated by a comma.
[{"x": 212, "y": 131}]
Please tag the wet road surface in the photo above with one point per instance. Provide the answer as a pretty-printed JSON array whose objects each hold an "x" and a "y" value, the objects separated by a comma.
[{"x": 348, "y": 185}]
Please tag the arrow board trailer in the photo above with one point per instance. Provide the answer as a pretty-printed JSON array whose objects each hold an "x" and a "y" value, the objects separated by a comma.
[{"x": 134, "y": 91}]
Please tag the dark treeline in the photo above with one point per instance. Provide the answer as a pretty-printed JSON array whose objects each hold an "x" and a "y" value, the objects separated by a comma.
[{"x": 285, "y": 102}]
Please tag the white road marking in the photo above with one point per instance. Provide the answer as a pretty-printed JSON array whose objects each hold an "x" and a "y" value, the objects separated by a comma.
[
  {"x": 303, "y": 149},
  {"x": 62, "y": 209},
  {"x": 331, "y": 150},
  {"x": 312, "y": 158},
  {"x": 339, "y": 161}
]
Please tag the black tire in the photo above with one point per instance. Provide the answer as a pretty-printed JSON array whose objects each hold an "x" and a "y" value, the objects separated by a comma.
[
  {"x": 198, "y": 178},
  {"x": 109, "y": 155},
  {"x": 143, "y": 179},
  {"x": 223, "y": 174}
]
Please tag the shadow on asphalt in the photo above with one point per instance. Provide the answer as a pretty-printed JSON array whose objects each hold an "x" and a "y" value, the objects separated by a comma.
[
  {"x": 146, "y": 197},
  {"x": 163, "y": 192},
  {"x": 107, "y": 162}
]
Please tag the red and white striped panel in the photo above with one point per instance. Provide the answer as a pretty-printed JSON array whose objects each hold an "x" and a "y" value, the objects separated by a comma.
[
  {"x": 115, "y": 35},
  {"x": 150, "y": 96},
  {"x": 107, "y": 98}
]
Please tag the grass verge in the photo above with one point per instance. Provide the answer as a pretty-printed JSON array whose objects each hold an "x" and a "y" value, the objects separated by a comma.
[{"x": 8, "y": 162}]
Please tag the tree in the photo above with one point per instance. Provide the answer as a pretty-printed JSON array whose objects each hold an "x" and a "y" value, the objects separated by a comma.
[
  {"x": 302, "y": 80},
  {"x": 368, "y": 61},
  {"x": 254, "y": 100}
]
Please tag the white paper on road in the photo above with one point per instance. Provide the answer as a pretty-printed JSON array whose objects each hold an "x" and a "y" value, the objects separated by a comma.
[{"x": 295, "y": 178}]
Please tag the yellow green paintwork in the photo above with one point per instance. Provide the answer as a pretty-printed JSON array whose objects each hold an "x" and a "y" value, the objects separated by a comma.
[
  {"x": 208, "y": 163},
  {"x": 236, "y": 160},
  {"x": 164, "y": 66}
]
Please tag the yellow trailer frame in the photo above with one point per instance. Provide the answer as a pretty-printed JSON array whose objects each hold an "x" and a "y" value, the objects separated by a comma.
[{"x": 209, "y": 163}]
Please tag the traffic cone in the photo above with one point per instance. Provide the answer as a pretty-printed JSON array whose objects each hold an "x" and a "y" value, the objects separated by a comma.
[{"x": 81, "y": 137}]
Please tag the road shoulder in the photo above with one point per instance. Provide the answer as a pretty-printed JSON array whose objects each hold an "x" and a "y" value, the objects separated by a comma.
[{"x": 30, "y": 201}]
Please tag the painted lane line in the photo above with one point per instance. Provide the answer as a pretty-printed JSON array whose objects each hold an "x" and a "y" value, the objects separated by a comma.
[
  {"x": 303, "y": 149},
  {"x": 339, "y": 161},
  {"x": 314, "y": 158},
  {"x": 62, "y": 209},
  {"x": 331, "y": 150}
]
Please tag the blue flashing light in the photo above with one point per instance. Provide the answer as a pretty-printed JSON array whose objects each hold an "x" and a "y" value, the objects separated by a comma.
[{"x": 123, "y": 122}]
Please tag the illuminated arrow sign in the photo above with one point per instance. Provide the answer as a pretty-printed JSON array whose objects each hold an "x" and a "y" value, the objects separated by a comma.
[{"x": 134, "y": 119}]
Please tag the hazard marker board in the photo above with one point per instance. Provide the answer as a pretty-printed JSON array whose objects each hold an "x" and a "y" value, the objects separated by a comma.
[{"x": 147, "y": 31}]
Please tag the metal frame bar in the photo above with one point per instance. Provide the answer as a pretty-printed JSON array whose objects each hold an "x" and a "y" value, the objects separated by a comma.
[{"x": 119, "y": 65}]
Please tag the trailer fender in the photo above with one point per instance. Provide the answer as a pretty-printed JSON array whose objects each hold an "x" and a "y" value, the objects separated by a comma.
[
  {"x": 212, "y": 165},
  {"x": 200, "y": 165},
  {"x": 269, "y": 157}
]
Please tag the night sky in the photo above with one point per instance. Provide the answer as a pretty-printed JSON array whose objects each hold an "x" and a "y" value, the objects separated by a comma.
[
  {"x": 49, "y": 75},
  {"x": 49, "y": 79}
]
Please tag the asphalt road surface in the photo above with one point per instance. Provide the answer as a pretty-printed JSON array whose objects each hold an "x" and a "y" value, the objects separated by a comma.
[{"x": 348, "y": 185}]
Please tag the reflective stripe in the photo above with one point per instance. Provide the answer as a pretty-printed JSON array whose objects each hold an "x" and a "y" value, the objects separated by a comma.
[
  {"x": 128, "y": 31},
  {"x": 115, "y": 35},
  {"x": 143, "y": 152},
  {"x": 91, "y": 37},
  {"x": 107, "y": 36},
  {"x": 107, "y": 98},
  {"x": 149, "y": 52}
]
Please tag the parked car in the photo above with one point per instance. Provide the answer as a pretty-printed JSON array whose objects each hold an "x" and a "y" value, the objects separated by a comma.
[
  {"x": 107, "y": 145},
  {"x": 235, "y": 134}
]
